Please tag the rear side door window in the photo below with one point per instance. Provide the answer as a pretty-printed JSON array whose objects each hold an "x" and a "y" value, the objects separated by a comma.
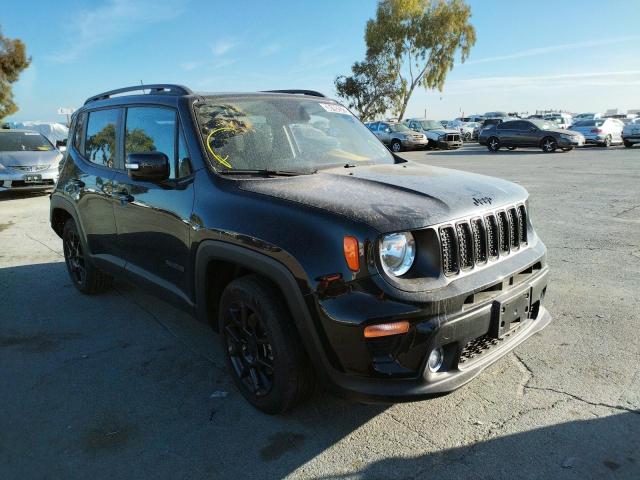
[{"x": 100, "y": 145}]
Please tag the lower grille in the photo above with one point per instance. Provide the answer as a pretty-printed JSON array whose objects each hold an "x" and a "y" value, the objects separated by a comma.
[{"x": 480, "y": 346}]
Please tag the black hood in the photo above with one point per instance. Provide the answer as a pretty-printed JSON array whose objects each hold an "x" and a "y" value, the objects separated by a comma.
[{"x": 393, "y": 197}]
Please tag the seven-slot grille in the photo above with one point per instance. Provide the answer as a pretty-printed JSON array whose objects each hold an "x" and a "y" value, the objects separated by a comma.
[{"x": 473, "y": 242}]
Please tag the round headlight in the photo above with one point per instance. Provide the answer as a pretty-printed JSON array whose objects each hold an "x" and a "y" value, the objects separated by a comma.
[{"x": 397, "y": 253}]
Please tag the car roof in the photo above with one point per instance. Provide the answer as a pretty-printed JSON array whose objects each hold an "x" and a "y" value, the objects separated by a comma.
[{"x": 18, "y": 130}]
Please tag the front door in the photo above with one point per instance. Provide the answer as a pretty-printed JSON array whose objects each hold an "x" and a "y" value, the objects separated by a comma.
[{"x": 153, "y": 218}]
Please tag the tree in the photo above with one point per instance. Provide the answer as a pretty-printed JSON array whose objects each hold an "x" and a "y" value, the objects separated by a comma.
[
  {"x": 371, "y": 87},
  {"x": 422, "y": 38},
  {"x": 13, "y": 60}
]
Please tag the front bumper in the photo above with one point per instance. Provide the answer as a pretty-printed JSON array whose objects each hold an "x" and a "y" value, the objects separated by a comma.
[
  {"x": 574, "y": 142},
  {"x": 393, "y": 368},
  {"x": 415, "y": 143},
  {"x": 449, "y": 145},
  {"x": 631, "y": 138},
  {"x": 17, "y": 180}
]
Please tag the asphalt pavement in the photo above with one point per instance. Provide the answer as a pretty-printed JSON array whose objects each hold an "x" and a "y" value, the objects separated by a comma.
[{"x": 122, "y": 385}]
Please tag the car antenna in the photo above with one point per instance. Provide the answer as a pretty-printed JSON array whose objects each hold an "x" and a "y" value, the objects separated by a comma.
[{"x": 142, "y": 85}]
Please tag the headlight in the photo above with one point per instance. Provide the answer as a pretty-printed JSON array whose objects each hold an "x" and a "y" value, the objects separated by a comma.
[{"x": 397, "y": 253}]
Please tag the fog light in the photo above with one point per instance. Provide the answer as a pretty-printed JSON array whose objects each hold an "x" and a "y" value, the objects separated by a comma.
[{"x": 436, "y": 357}]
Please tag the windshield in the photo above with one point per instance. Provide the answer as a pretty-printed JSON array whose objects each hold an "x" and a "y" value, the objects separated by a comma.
[
  {"x": 542, "y": 124},
  {"x": 24, "y": 142},
  {"x": 589, "y": 123},
  {"x": 431, "y": 125},
  {"x": 266, "y": 133},
  {"x": 399, "y": 127}
]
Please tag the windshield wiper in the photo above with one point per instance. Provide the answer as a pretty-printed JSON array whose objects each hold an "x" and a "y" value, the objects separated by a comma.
[{"x": 279, "y": 173}]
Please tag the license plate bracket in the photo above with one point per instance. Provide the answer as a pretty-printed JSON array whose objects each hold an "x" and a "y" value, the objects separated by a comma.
[
  {"x": 507, "y": 314},
  {"x": 32, "y": 178}
]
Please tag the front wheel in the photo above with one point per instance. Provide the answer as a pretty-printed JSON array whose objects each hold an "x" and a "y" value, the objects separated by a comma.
[
  {"x": 549, "y": 145},
  {"x": 467, "y": 137},
  {"x": 263, "y": 350},
  {"x": 607, "y": 141},
  {"x": 84, "y": 275},
  {"x": 396, "y": 146},
  {"x": 493, "y": 144},
  {"x": 628, "y": 144}
]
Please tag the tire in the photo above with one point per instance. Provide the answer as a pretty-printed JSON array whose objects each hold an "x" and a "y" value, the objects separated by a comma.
[
  {"x": 264, "y": 353},
  {"x": 86, "y": 277},
  {"x": 549, "y": 144},
  {"x": 467, "y": 137},
  {"x": 628, "y": 144},
  {"x": 607, "y": 142},
  {"x": 396, "y": 146},
  {"x": 493, "y": 144},
  {"x": 511, "y": 148}
]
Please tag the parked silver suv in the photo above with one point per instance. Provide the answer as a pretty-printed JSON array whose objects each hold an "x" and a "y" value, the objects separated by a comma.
[{"x": 398, "y": 136}]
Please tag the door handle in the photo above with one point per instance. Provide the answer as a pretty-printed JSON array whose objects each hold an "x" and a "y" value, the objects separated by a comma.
[
  {"x": 77, "y": 183},
  {"x": 123, "y": 196}
]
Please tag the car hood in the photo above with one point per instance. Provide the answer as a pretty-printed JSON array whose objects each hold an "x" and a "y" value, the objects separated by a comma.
[
  {"x": 441, "y": 131},
  {"x": 393, "y": 197},
  {"x": 28, "y": 159}
]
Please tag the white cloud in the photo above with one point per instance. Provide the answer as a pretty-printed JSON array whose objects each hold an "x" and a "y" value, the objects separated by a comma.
[
  {"x": 270, "y": 49},
  {"x": 222, "y": 46},
  {"x": 554, "y": 48},
  {"x": 114, "y": 20}
]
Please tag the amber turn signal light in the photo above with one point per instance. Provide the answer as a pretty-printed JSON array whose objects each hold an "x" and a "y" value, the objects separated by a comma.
[
  {"x": 386, "y": 329},
  {"x": 351, "y": 253}
]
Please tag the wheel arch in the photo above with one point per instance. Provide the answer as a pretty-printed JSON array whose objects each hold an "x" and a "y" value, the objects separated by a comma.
[
  {"x": 59, "y": 212},
  {"x": 237, "y": 261}
]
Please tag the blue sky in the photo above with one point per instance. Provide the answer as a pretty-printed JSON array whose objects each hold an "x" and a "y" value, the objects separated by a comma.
[{"x": 579, "y": 55}]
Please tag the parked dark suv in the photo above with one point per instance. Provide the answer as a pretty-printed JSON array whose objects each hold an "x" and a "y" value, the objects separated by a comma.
[{"x": 281, "y": 220}]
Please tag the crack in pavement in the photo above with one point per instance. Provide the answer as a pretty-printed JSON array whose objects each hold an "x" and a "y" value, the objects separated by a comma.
[
  {"x": 43, "y": 244},
  {"x": 626, "y": 210},
  {"x": 526, "y": 370},
  {"x": 588, "y": 402},
  {"x": 406, "y": 427}
]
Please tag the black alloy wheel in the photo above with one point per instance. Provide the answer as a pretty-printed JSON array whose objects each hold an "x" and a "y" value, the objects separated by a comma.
[
  {"x": 74, "y": 257},
  {"x": 250, "y": 352}
]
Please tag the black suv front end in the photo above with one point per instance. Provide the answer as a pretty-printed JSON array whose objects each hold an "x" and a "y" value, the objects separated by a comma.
[{"x": 395, "y": 339}]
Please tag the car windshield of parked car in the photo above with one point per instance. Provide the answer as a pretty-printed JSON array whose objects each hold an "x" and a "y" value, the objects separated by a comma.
[
  {"x": 542, "y": 124},
  {"x": 276, "y": 133},
  {"x": 24, "y": 142},
  {"x": 398, "y": 127},
  {"x": 431, "y": 125},
  {"x": 589, "y": 123}
]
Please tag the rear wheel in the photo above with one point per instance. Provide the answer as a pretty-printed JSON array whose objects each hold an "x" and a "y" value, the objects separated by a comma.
[
  {"x": 396, "y": 146},
  {"x": 493, "y": 144},
  {"x": 549, "y": 144},
  {"x": 607, "y": 141},
  {"x": 467, "y": 137},
  {"x": 84, "y": 275},
  {"x": 264, "y": 353},
  {"x": 628, "y": 144}
]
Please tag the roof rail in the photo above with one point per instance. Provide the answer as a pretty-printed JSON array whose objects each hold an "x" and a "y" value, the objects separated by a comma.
[
  {"x": 312, "y": 93},
  {"x": 156, "y": 88}
]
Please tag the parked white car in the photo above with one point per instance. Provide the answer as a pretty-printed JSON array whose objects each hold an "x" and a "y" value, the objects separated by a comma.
[
  {"x": 562, "y": 120},
  {"x": 587, "y": 116},
  {"x": 439, "y": 137},
  {"x": 602, "y": 131},
  {"x": 631, "y": 133},
  {"x": 468, "y": 129}
]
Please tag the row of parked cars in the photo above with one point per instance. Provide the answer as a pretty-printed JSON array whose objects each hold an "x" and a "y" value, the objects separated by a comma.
[{"x": 551, "y": 131}]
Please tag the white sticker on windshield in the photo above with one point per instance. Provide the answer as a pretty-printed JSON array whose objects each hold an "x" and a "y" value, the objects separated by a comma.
[{"x": 335, "y": 108}]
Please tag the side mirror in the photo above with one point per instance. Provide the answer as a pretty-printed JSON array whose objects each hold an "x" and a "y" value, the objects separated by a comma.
[
  {"x": 61, "y": 145},
  {"x": 387, "y": 130},
  {"x": 148, "y": 166}
]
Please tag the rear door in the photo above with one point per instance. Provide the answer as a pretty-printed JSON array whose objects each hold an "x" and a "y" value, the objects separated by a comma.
[
  {"x": 528, "y": 134},
  {"x": 95, "y": 153},
  {"x": 506, "y": 134},
  {"x": 153, "y": 218}
]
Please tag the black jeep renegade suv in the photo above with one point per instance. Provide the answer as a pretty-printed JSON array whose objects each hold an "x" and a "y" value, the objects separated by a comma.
[{"x": 281, "y": 220}]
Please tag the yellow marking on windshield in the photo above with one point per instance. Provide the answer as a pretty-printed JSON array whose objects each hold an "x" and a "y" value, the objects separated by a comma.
[
  {"x": 43, "y": 148},
  {"x": 347, "y": 155},
  {"x": 215, "y": 155}
]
